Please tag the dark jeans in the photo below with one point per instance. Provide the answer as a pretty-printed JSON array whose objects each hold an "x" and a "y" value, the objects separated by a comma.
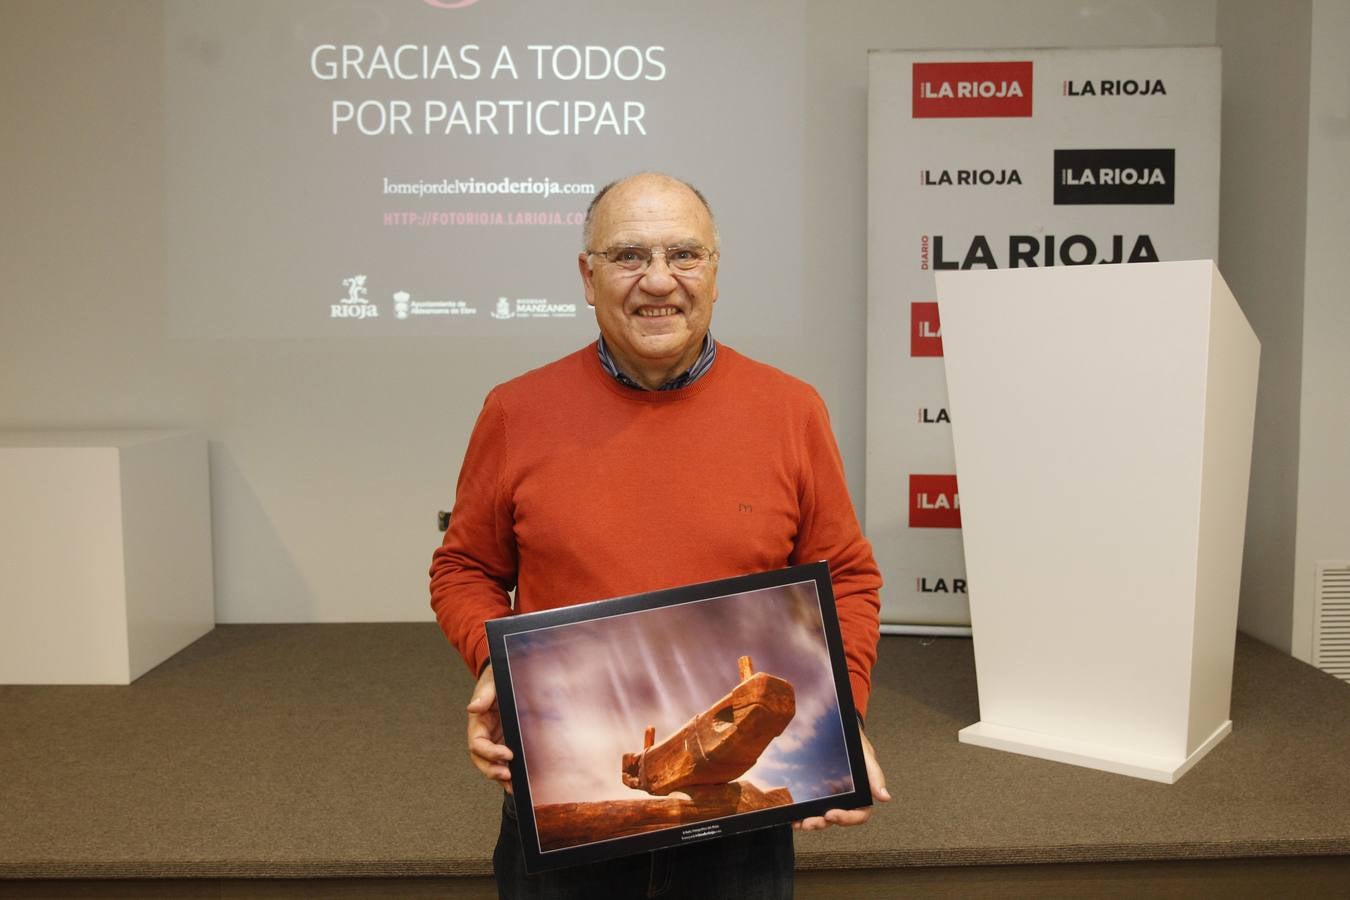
[{"x": 754, "y": 865}]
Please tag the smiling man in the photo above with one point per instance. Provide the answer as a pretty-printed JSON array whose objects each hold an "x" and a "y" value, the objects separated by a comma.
[
  {"x": 654, "y": 457},
  {"x": 653, "y": 317}
]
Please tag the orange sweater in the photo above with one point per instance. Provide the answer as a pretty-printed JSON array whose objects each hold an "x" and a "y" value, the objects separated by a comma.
[{"x": 575, "y": 488}]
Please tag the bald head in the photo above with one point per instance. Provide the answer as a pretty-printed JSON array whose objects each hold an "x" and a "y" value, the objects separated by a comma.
[{"x": 637, "y": 182}]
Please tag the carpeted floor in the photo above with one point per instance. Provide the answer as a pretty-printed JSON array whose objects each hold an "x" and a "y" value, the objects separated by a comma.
[{"x": 336, "y": 750}]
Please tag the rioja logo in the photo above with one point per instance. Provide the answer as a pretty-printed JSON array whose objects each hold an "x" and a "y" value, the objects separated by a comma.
[
  {"x": 356, "y": 289},
  {"x": 1124, "y": 176},
  {"x": 925, "y": 331},
  {"x": 1115, "y": 87},
  {"x": 934, "y": 502},
  {"x": 968, "y": 177},
  {"x": 971, "y": 89},
  {"x": 354, "y": 305},
  {"x": 1045, "y": 250},
  {"x": 926, "y": 585}
]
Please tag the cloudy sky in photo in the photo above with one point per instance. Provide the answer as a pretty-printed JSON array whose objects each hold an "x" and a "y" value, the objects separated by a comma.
[{"x": 585, "y": 692}]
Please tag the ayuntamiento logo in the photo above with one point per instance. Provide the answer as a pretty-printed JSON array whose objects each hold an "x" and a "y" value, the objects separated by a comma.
[
  {"x": 1116, "y": 176},
  {"x": 947, "y": 90},
  {"x": 406, "y": 305}
]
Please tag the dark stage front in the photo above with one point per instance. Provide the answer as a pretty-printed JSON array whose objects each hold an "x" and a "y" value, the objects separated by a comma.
[{"x": 328, "y": 760}]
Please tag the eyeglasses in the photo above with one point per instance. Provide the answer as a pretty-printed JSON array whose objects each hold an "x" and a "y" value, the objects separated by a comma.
[{"x": 636, "y": 258}]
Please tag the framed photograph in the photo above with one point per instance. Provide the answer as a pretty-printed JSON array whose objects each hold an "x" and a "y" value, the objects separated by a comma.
[{"x": 676, "y": 716}]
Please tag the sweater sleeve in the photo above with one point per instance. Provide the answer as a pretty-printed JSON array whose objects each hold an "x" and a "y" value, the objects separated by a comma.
[
  {"x": 829, "y": 530},
  {"x": 474, "y": 569}
]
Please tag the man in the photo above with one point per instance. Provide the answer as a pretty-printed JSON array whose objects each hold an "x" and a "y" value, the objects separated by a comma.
[{"x": 653, "y": 458}]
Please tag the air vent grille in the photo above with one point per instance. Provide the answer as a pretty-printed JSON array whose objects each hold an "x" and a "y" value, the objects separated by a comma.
[{"x": 1331, "y": 619}]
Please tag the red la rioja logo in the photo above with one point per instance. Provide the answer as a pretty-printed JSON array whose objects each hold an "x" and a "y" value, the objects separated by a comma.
[
  {"x": 925, "y": 330},
  {"x": 934, "y": 502},
  {"x": 972, "y": 89}
]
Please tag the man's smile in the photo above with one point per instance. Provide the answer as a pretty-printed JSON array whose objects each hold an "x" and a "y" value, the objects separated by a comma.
[{"x": 656, "y": 311}]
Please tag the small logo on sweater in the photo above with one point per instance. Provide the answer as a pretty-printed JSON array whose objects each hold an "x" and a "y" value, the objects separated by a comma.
[{"x": 745, "y": 507}]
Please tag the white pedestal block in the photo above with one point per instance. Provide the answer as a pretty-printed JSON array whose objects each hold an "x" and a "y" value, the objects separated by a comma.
[
  {"x": 105, "y": 553},
  {"x": 1102, "y": 420}
]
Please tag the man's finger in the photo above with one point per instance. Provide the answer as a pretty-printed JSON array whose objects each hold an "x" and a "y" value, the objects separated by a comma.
[
  {"x": 485, "y": 732},
  {"x": 875, "y": 776},
  {"x": 488, "y": 723},
  {"x": 484, "y": 693},
  {"x": 481, "y": 747},
  {"x": 489, "y": 758},
  {"x": 848, "y": 816},
  {"x": 499, "y": 774}
]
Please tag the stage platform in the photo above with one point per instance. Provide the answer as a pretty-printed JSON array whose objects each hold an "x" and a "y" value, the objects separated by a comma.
[{"x": 328, "y": 760}]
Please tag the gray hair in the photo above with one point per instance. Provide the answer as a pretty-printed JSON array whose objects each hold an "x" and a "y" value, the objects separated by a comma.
[{"x": 586, "y": 232}]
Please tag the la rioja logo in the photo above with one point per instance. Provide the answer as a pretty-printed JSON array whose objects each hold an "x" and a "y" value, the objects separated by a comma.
[
  {"x": 925, "y": 331},
  {"x": 946, "y": 90},
  {"x": 934, "y": 502}
]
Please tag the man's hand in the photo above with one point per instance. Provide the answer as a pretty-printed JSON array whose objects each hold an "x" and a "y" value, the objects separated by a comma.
[
  {"x": 486, "y": 750},
  {"x": 853, "y": 816}
]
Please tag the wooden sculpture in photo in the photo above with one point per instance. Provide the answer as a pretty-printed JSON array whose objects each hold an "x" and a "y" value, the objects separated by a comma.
[{"x": 700, "y": 760}]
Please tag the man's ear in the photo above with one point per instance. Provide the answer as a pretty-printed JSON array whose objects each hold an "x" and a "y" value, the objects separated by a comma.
[{"x": 587, "y": 277}]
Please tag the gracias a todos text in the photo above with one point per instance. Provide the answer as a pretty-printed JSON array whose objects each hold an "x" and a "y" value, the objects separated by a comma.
[{"x": 472, "y": 62}]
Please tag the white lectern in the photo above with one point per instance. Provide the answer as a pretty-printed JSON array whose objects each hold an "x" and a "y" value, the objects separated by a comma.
[
  {"x": 1102, "y": 420},
  {"x": 105, "y": 553}
]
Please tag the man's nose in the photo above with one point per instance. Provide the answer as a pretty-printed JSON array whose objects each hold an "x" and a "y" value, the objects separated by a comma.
[{"x": 658, "y": 279}]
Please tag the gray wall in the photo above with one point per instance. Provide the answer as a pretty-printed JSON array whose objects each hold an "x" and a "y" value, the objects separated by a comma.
[
  {"x": 329, "y": 458},
  {"x": 1324, "y": 409},
  {"x": 1262, "y": 212}
]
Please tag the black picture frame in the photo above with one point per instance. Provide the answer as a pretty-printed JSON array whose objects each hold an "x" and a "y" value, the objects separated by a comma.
[{"x": 574, "y": 682}]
